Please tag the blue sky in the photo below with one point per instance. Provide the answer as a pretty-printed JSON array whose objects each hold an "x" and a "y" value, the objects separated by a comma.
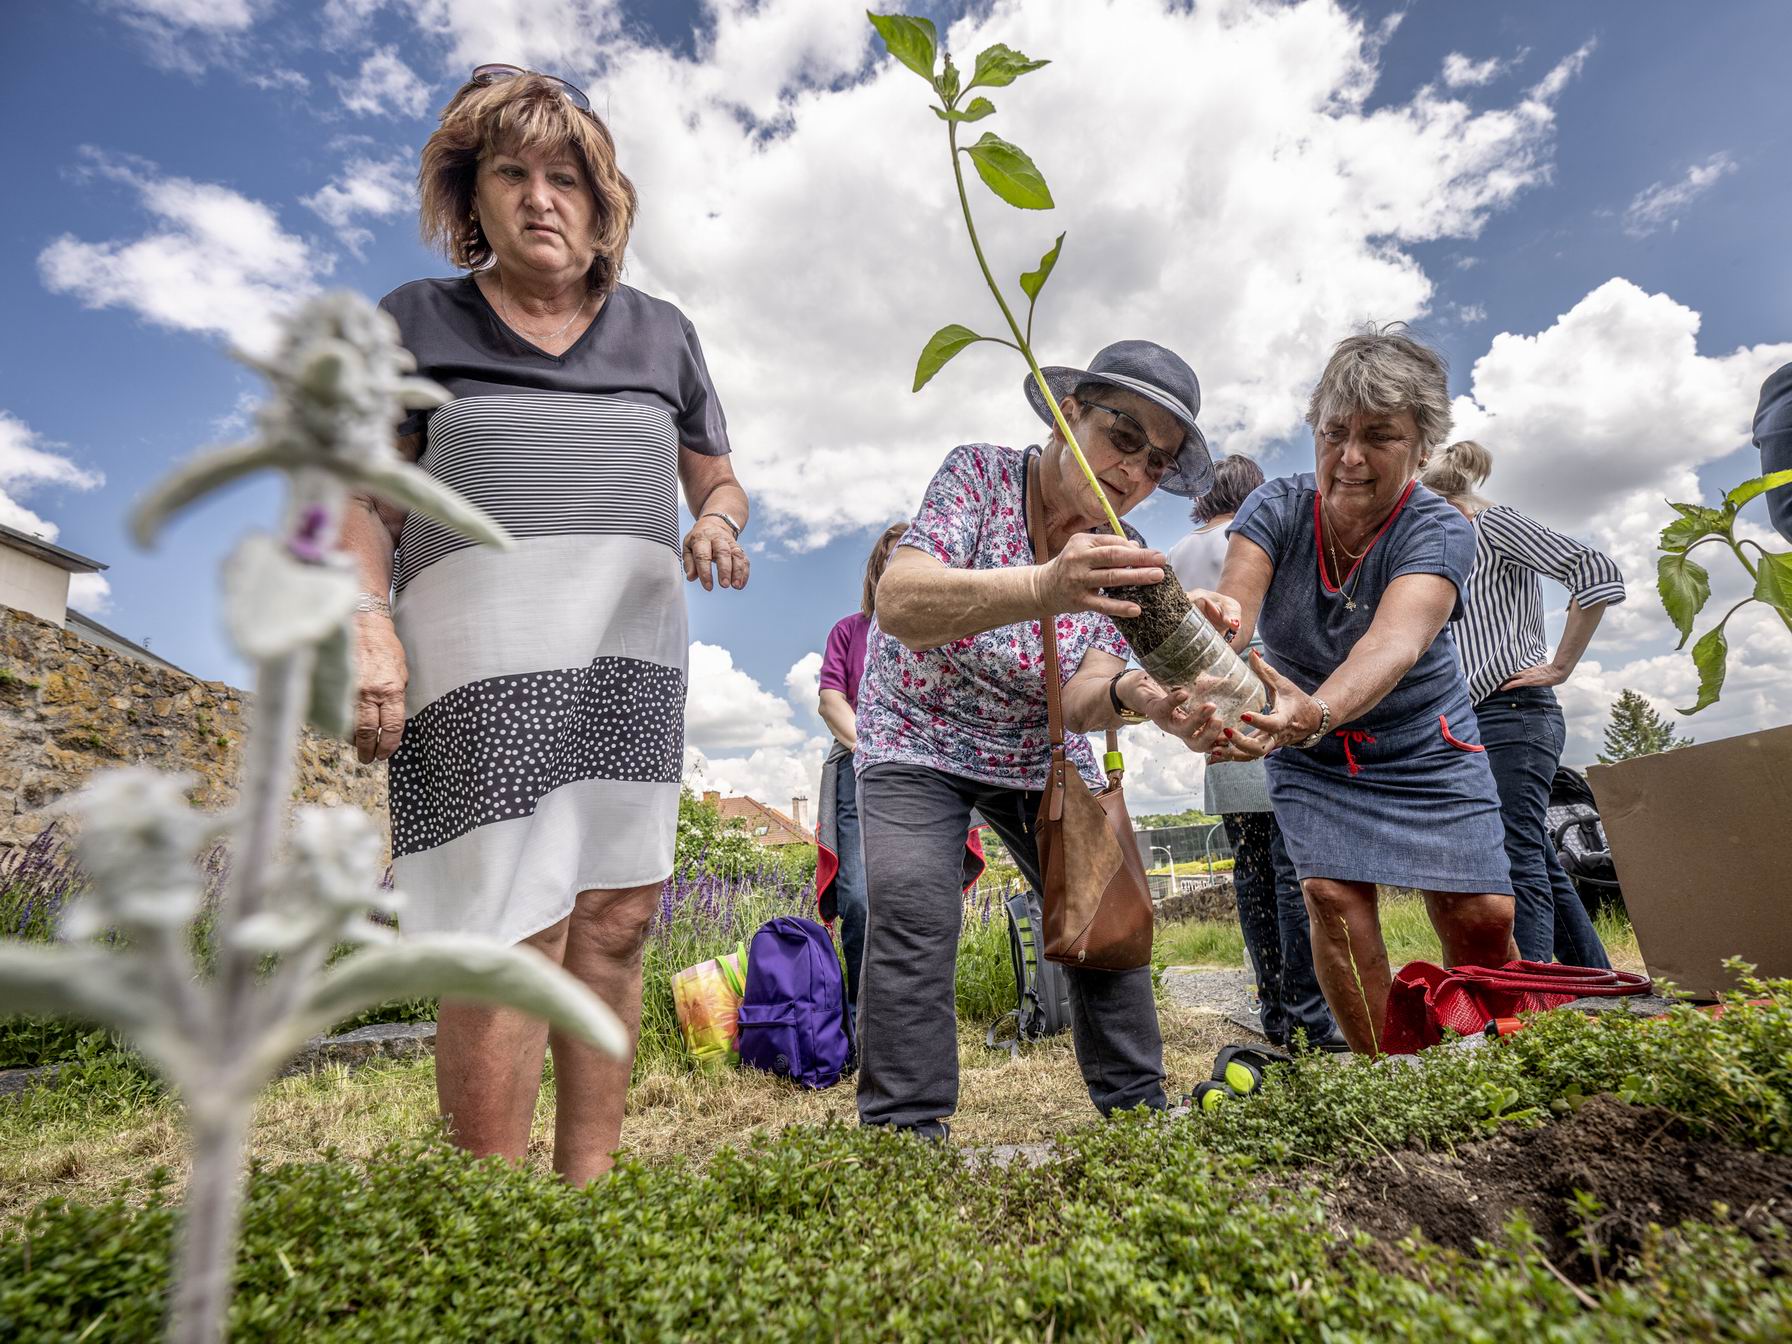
[{"x": 1635, "y": 189}]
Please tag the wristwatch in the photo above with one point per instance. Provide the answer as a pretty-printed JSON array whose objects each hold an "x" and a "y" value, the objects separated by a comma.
[
  {"x": 733, "y": 526},
  {"x": 1126, "y": 715}
]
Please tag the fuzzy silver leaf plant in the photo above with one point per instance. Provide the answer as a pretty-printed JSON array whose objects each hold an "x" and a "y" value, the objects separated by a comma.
[{"x": 305, "y": 880}]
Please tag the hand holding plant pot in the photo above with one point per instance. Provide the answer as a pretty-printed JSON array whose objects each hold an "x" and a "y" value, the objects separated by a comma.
[{"x": 1080, "y": 576}]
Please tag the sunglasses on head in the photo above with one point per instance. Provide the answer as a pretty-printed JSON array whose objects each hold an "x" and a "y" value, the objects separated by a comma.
[
  {"x": 497, "y": 74},
  {"x": 1129, "y": 437}
]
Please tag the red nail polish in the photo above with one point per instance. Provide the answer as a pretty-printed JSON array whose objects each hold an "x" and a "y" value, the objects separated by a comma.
[
  {"x": 1230, "y": 733},
  {"x": 1247, "y": 718}
]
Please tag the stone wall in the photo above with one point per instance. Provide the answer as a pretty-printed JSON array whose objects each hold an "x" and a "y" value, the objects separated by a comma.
[{"x": 69, "y": 708}]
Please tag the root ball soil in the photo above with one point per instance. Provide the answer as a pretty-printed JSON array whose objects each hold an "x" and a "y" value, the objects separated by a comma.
[
  {"x": 1161, "y": 609},
  {"x": 1643, "y": 1165}
]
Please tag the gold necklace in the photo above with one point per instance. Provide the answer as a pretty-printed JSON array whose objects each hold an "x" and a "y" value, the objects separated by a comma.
[
  {"x": 1356, "y": 573},
  {"x": 504, "y": 298},
  {"x": 1331, "y": 536}
]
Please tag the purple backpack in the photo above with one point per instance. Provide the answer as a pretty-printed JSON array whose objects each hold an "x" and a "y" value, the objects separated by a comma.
[{"x": 793, "y": 1015}]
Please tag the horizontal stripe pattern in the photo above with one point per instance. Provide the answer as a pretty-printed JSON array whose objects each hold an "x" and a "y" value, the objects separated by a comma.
[
  {"x": 1502, "y": 633},
  {"x": 548, "y": 464},
  {"x": 490, "y": 750}
]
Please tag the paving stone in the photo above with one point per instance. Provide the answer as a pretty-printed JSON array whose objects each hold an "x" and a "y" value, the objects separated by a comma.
[
  {"x": 15, "y": 1081},
  {"x": 1226, "y": 994},
  {"x": 1008, "y": 1155}
]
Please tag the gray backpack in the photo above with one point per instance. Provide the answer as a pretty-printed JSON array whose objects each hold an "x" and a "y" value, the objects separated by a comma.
[{"x": 1041, "y": 988}]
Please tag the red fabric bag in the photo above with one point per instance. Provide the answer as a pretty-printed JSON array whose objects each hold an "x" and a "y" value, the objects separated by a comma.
[{"x": 1426, "y": 999}]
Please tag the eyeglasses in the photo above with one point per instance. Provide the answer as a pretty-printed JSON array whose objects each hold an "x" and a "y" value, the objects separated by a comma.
[
  {"x": 1129, "y": 437},
  {"x": 497, "y": 74}
]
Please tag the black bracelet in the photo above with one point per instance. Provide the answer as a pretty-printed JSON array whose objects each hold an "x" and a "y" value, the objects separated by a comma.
[{"x": 1126, "y": 715}]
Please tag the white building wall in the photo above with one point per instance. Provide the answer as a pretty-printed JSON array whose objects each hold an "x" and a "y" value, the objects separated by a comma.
[{"x": 34, "y": 586}]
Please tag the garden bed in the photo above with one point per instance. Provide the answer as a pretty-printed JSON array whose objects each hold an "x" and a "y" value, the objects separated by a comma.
[{"x": 1284, "y": 1216}]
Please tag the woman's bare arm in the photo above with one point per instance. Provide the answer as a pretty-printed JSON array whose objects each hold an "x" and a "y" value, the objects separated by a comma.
[
  {"x": 712, "y": 554},
  {"x": 1407, "y": 620},
  {"x": 926, "y": 604},
  {"x": 837, "y": 712},
  {"x": 370, "y": 529}
]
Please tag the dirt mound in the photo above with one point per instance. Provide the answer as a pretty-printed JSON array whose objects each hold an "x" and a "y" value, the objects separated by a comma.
[{"x": 1642, "y": 1164}]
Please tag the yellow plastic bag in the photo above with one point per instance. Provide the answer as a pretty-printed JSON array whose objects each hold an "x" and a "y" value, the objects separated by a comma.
[{"x": 707, "y": 998}]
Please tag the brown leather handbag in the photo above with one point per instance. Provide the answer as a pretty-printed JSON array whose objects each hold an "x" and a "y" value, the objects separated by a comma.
[{"x": 1098, "y": 912}]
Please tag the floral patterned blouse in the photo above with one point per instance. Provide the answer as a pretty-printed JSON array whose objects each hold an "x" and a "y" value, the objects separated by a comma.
[{"x": 976, "y": 707}]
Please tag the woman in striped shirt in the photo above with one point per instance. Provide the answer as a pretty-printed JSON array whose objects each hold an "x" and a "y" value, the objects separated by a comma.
[{"x": 1510, "y": 673}]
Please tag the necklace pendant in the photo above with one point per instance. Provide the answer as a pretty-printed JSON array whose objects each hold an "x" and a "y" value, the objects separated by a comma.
[{"x": 1349, "y": 604}]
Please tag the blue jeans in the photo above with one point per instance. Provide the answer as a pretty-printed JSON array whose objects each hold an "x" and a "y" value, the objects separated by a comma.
[
  {"x": 1273, "y": 916},
  {"x": 1524, "y": 733},
  {"x": 849, "y": 883}
]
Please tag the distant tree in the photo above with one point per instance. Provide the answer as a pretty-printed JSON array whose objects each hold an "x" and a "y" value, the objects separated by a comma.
[
  {"x": 1193, "y": 816},
  {"x": 1637, "y": 729}
]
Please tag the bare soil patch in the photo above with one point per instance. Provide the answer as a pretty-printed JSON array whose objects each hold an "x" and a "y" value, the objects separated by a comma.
[{"x": 1643, "y": 1165}]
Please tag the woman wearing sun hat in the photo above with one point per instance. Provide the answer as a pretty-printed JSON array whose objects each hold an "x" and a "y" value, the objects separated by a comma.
[
  {"x": 952, "y": 712},
  {"x": 532, "y": 700}
]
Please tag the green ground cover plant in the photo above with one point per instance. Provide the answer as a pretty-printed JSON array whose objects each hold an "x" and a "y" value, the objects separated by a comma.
[{"x": 1214, "y": 1227}]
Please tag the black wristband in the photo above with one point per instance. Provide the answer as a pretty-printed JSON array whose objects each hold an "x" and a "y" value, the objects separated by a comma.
[{"x": 1127, "y": 715}]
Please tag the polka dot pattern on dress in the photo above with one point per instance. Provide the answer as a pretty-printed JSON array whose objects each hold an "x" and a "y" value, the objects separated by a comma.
[{"x": 490, "y": 750}]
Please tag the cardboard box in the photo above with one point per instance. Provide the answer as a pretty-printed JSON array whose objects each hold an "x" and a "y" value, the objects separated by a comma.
[{"x": 1702, "y": 840}]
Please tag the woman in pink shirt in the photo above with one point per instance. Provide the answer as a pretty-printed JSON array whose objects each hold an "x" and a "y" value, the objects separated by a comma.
[{"x": 840, "y": 867}]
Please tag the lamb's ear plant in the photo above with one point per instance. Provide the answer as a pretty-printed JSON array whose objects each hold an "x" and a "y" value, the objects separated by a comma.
[
  {"x": 340, "y": 385},
  {"x": 1685, "y": 585}
]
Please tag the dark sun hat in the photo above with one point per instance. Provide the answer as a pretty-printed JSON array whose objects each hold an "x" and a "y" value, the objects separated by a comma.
[{"x": 1158, "y": 375}]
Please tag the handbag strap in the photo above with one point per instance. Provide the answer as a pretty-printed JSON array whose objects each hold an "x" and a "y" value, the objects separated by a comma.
[
  {"x": 1581, "y": 982},
  {"x": 1048, "y": 629}
]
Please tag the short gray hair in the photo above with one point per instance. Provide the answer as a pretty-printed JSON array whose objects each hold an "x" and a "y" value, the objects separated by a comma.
[{"x": 1382, "y": 370}]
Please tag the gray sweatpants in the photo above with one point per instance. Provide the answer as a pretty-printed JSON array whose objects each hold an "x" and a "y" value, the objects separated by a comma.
[{"x": 913, "y": 821}]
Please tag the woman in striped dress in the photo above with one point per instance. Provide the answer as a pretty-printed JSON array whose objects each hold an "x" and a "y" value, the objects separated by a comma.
[
  {"x": 1510, "y": 673},
  {"x": 532, "y": 700}
]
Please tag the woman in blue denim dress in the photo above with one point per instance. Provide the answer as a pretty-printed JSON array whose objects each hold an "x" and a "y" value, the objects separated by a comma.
[{"x": 1352, "y": 574}]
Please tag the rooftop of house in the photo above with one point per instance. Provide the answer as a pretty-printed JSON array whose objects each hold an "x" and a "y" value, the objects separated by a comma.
[
  {"x": 34, "y": 545},
  {"x": 765, "y": 823}
]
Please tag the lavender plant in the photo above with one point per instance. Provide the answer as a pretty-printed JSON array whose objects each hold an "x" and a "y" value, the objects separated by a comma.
[
  {"x": 1685, "y": 585},
  {"x": 217, "y": 1033}
]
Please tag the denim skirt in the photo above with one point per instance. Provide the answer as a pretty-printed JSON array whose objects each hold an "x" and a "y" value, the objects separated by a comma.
[{"x": 1411, "y": 805}]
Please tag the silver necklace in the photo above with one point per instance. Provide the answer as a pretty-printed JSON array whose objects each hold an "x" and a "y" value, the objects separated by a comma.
[{"x": 504, "y": 298}]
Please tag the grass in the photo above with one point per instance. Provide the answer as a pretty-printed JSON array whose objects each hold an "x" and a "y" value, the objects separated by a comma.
[
  {"x": 1214, "y": 1227},
  {"x": 112, "y": 1126}
]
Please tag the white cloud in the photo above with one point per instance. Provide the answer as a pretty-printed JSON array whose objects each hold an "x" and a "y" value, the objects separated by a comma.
[
  {"x": 741, "y": 738},
  {"x": 728, "y": 710},
  {"x": 1593, "y": 423},
  {"x": 277, "y": 78},
  {"x": 384, "y": 86},
  {"x": 567, "y": 37},
  {"x": 216, "y": 261},
  {"x": 1563, "y": 72},
  {"x": 1462, "y": 73},
  {"x": 1661, "y": 204},
  {"x": 802, "y": 687},
  {"x": 28, "y": 462},
  {"x": 378, "y": 188},
  {"x": 207, "y": 15},
  {"x": 1470, "y": 313},
  {"x": 90, "y": 593}
]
